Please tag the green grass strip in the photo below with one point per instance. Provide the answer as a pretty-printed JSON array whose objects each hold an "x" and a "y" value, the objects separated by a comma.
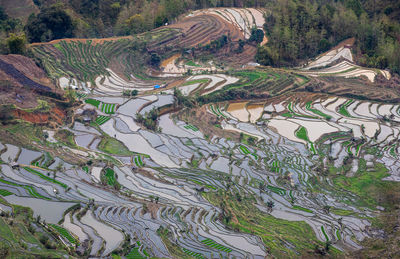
[
  {"x": 45, "y": 177},
  {"x": 317, "y": 112},
  {"x": 211, "y": 243},
  {"x": 323, "y": 232},
  {"x": 338, "y": 235},
  {"x": 64, "y": 233},
  {"x": 296, "y": 207},
  {"x": 277, "y": 190},
  {"x": 31, "y": 190},
  {"x": 343, "y": 108},
  {"x": 101, "y": 119},
  {"x": 93, "y": 102},
  {"x": 5, "y": 192},
  {"x": 244, "y": 149}
]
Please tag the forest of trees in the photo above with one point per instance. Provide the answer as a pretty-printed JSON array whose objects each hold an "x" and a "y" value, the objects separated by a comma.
[{"x": 298, "y": 30}]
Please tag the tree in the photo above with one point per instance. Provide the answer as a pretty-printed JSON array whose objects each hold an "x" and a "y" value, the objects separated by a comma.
[
  {"x": 134, "y": 92},
  {"x": 51, "y": 23},
  {"x": 136, "y": 24},
  {"x": 257, "y": 35},
  {"x": 155, "y": 60},
  {"x": 16, "y": 43},
  {"x": 327, "y": 209},
  {"x": 270, "y": 205}
]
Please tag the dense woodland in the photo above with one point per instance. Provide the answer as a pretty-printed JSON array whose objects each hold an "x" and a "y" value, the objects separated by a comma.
[
  {"x": 297, "y": 30},
  {"x": 301, "y": 29}
]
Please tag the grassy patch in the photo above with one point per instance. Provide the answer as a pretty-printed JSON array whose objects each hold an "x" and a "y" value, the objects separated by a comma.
[
  {"x": 275, "y": 233},
  {"x": 113, "y": 146},
  {"x": 5, "y": 192},
  {"x": 198, "y": 81},
  {"x": 301, "y": 133},
  {"x": 211, "y": 243},
  {"x": 296, "y": 207},
  {"x": 370, "y": 188},
  {"x": 67, "y": 137},
  {"x": 15, "y": 236},
  {"x": 175, "y": 251},
  {"x": 110, "y": 175},
  {"x": 85, "y": 168},
  {"x": 343, "y": 108},
  {"x": 64, "y": 233},
  {"x": 101, "y": 119},
  {"x": 93, "y": 102},
  {"x": 191, "y": 63}
]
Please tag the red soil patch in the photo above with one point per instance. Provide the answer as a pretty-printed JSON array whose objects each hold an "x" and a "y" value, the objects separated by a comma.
[
  {"x": 56, "y": 115},
  {"x": 37, "y": 118}
]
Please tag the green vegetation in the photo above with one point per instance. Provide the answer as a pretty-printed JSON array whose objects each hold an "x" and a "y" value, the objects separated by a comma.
[
  {"x": 67, "y": 137},
  {"x": 93, "y": 102},
  {"x": 296, "y": 207},
  {"x": 31, "y": 190},
  {"x": 175, "y": 250},
  {"x": 149, "y": 119},
  {"x": 64, "y": 233},
  {"x": 342, "y": 212},
  {"x": 271, "y": 230},
  {"x": 135, "y": 254},
  {"x": 301, "y": 133},
  {"x": 343, "y": 108},
  {"x": 277, "y": 190},
  {"x": 191, "y": 63},
  {"x": 138, "y": 161},
  {"x": 211, "y": 243},
  {"x": 45, "y": 177},
  {"x": 108, "y": 108},
  {"x": 16, "y": 44},
  {"x": 323, "y": 232},
  {"x": 317, "y": 112},
  {"x": 244, "y": 150},
  {"x": 198, "y": 81},
  {"x": 253, "y": 84},
  {"x": 113, "y": 146},
  {"x": 191, "y": 253},
  {"x": 299, "y": 30},
  {"x": 247, "y": 139},
  {"x": 110, "y": 175},
  {"x": 17, "y": 230},
  {"x": 101, "y": 119},
  {"x": 5, "y": 192},
  {"x": 191, "y": 127},
  {"x": 51, "y": 23},
  {"x": 369, "y": 187}
]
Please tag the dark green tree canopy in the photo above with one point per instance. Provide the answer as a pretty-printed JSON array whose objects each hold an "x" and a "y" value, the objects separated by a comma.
[{"x": 51, "y": 23}]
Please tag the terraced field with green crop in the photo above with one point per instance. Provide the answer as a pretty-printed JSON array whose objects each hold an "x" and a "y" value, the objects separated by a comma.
[{"x": 233, "y": 161}]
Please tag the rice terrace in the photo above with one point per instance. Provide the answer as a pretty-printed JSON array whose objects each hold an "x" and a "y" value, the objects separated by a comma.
[{"x": 199, "y": 129}]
